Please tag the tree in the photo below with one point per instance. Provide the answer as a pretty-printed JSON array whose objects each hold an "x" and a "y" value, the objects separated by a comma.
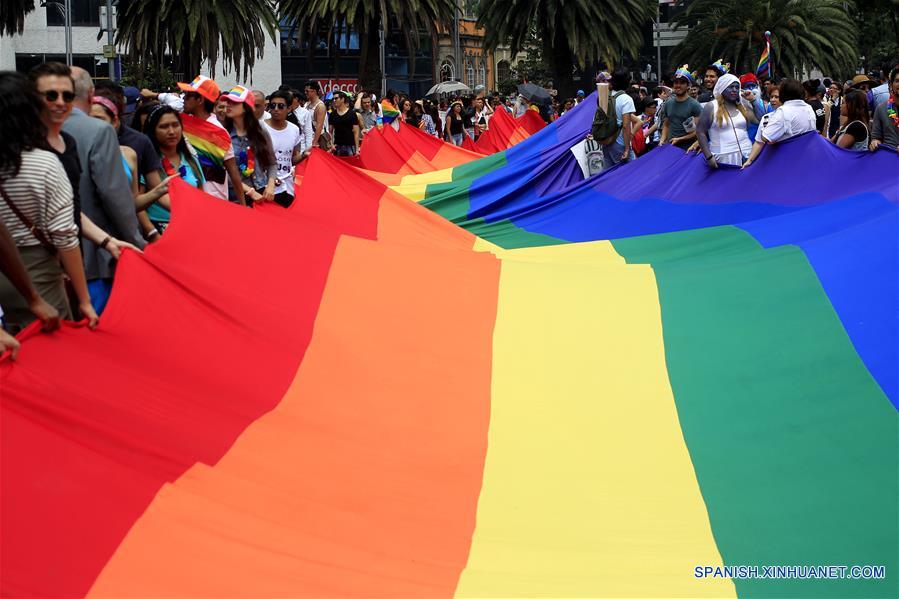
[
  {"x": 189, "y": 32},
  {"x": 367, "y": 17},
  {"x": 573, "y": 34},
  {"x": 878, "y": 27},
  {"x": 804, "y": 34},
  {"x": 12, "y": 15}
]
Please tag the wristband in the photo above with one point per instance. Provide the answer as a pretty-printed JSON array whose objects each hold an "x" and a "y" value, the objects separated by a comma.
[
  {"x": 151, "y": 234},
  {"x": 105, "y": 242}
]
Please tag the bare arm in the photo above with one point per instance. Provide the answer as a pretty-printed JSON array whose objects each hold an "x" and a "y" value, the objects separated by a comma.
[
  {"x": 627, "y": 133},
  {"x": 74, "y": 267},
  {"x": 91, "y": 231},
  {"x": 665, "y": 132},
  {"x": 319, "y": 118},
  {"x": 757, "y": 148},
  {"x": 702, "y": 132}
]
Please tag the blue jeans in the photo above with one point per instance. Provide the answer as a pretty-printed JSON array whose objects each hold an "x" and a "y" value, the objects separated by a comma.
[
  {"x": 99, "y": 290},
  {"x": 457, "y": 138},
  {"x": 612, "y": 154}
]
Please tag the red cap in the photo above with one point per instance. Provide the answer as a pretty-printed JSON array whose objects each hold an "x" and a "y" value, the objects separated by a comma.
[{"x": 748, "y": 78}]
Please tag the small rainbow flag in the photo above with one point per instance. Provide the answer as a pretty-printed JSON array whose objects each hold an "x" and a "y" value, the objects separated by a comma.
[
  {"x": 211, "y": 143},
  {"x": 764, "y": 68},
  {"x": 389, "y": 113}
]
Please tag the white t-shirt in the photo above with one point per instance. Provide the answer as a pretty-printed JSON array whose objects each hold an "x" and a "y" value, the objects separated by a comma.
[
  {"x": 283, "y": 143},
  {"x": 623, "y": 104},
  {"x": 794, "y": 118},
  {"x": 219, "y": 190},
  {"x": 307, "y": 128}
]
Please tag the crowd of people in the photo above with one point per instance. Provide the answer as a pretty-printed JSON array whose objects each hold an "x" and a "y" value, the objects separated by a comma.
[
  {"x": 730, "y": 119},
  {"x": 85, "y": 166}
]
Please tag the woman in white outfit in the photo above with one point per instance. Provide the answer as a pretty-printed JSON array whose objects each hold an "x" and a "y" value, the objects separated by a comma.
[{"x": 723, "y": 125}]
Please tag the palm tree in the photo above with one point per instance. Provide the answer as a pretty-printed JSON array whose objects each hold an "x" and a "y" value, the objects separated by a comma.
[
  {"x": 572, "y": 33},
  {"x": 194, "y": 31},
  {"x": 12, "y": 15},
  {"x": 366, "y": 17},
  {"x": 804, "y": 34}
]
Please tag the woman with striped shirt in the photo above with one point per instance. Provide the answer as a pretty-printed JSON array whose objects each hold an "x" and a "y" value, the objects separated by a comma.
[{"x": 36, "y": 207}]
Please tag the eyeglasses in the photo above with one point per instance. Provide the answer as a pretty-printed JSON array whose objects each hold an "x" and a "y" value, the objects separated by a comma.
[
  {"x": 278, "y": 106},
  {"x": 53, "y": 95}
]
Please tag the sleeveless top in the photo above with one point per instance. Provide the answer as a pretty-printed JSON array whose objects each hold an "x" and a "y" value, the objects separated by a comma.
[
  {"x": 860, "y": 145},
  {"x": 730, "y": 136}
]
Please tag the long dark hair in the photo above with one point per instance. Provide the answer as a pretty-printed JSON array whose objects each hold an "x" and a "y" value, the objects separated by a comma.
[
  {"x": 150, "y": 131},
  {"x": 21, "y": 126},
  {"x": 856, "y": 106},
  {"x": 258, "y": 139}
]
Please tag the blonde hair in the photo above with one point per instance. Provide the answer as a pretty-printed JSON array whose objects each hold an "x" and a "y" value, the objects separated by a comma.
[{"x": 720, "y": 110}]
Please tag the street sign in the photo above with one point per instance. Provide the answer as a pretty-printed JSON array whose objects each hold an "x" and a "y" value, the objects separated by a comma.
[{"x": 109, "y": 51}]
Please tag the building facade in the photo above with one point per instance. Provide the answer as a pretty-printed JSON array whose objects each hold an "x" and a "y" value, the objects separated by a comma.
[
  {"x": 44, "y": 39},
  {"x": 332, "y": 57},
  {"x": 472, "y": 64}
]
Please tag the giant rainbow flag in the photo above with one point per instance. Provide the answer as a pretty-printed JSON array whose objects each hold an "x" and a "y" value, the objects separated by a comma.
[{"x": 493, "y": 379}]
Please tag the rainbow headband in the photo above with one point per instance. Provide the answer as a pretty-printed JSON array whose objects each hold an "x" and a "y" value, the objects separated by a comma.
[
  {"x": 684, "y": 72},
  {"x": 721, "y": 68}
]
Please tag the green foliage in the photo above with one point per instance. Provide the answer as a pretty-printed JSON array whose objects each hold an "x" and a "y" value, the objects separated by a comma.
[
  {"x": 195, "y": 31},
  {"x": 588, "y": 31},
  {"x": 141, "y": 75},
  {"x": 805, "y": 34},
  {"x": 878, "y": 25},
  {"x": 12, "y": 15},
  {"x": 365, "y": 17},
  {"x": 530, "y": 68}
]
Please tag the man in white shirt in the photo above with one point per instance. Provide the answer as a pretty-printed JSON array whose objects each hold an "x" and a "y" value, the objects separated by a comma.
[
  {"x": 286, "y": 143},
  {"x": 620, "y": 149},
  {"x": 307, "y": 129},
  {"x": 793, "y": 118}
]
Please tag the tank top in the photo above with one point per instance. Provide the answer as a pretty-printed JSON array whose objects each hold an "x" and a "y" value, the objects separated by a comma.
[
  {"x": 730, "y": 136},
  {"x": 456, "y": 125},
  {"x": 861, "y": 145}
]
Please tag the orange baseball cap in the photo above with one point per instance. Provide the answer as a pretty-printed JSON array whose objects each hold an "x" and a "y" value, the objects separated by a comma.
[{"x": 204, "y": 86}]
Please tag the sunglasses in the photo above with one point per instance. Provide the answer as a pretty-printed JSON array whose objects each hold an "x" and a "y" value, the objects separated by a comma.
[
  {"x": 278, "y": 106},
  {"x": 53, "y": 95}
]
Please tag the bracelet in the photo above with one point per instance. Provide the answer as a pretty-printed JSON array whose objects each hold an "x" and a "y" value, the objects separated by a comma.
[
  {"x": 151, "y": 234},
  {"x": 106, "y": 241}
]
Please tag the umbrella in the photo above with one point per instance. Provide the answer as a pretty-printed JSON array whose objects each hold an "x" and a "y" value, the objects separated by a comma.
[
  {"x": 534, "y": 93},
  {"x": 448, "y": 87}
]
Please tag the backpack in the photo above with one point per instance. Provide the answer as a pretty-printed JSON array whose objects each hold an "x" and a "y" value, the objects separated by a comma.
[{"x": 605, "y": 124}]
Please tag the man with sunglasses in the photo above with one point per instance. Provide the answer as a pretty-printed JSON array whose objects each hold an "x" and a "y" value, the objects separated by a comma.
[{"x": 286, "y": 143}]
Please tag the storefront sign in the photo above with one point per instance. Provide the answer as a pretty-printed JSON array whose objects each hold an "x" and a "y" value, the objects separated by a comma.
[{"x": 350, "y": 86}]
